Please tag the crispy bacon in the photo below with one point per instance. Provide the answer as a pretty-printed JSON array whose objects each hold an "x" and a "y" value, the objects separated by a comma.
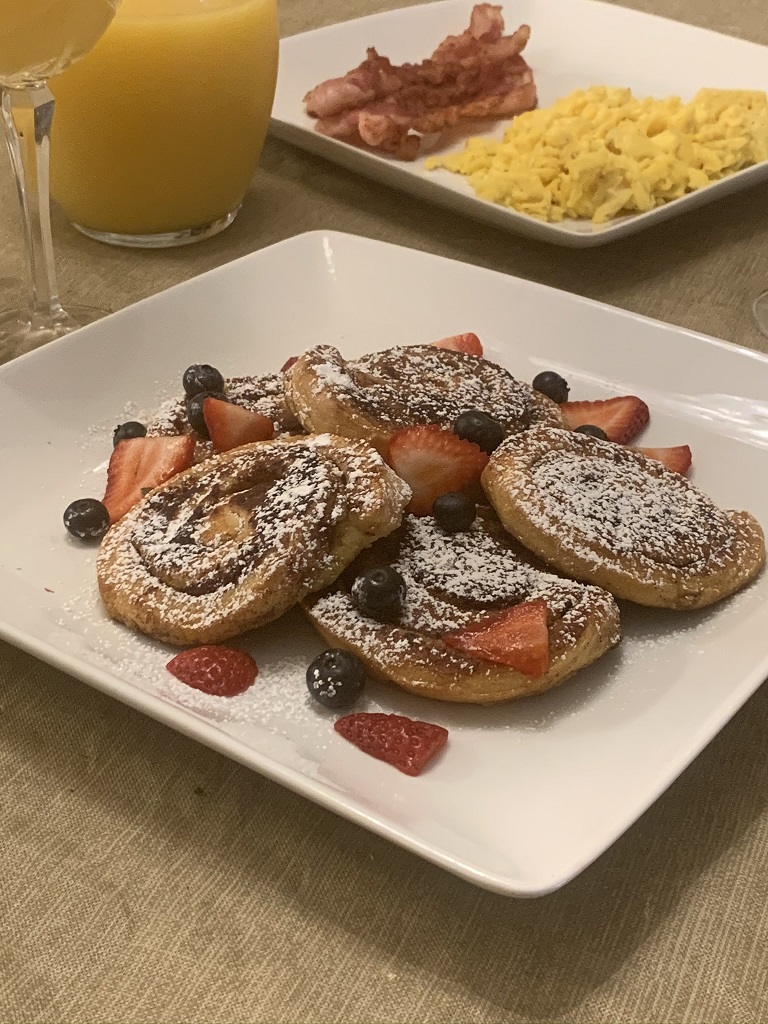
[{"x": 479, "y": 73}]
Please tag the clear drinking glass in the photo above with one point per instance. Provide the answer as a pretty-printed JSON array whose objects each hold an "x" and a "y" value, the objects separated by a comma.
[
  {"x": 760, "y": 309},
  {"x": 39, "y": 38},
  {"x": 159, "y": 129}
]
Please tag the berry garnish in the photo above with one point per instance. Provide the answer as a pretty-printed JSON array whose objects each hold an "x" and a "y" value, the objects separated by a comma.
[
  {"x": 469, "y": 344},
  {"x": 86, "y": 519},
  {"x": 517, "y": 637},
  {"x": 379, "y": 593},
  {"x": 480, "y": 428},
  {"x": 288, "y": 363},
  {"x": 592, "y": 431},
  {"x": 406, "y": 744},
  {"x": 202, "y": 377},
  {"x": 124, "y": 431},
  {"x": 621, "y": 418},
  {"x": 336, "y": 678},
  {"x": 433, "y": 461},
  {"x": 230, "y": 426},
  {"x": 140, "y": 464},
  {"x": 677, "y": 459},
  {"x": 220, "y": 671},
  {"x": 552, "y": 385},
  {"x": 454, "y": 512},
  {"x": 195, "y": 415}
]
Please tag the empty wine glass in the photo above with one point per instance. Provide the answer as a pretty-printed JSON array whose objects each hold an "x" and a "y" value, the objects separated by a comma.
[{"x": 38, "y": 39}]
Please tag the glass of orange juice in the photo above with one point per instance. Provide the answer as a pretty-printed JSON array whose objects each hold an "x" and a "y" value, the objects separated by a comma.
[
  {"x": 39, "y": 38},
  {"x": 159, "y": 129}
]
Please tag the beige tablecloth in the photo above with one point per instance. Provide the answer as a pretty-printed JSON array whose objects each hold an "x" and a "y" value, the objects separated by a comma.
[{"x": 144, "y": 878}]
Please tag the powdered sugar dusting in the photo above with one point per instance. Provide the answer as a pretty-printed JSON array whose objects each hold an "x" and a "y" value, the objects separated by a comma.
[
  {"x": 420, "y": 384},
  {"x": 607, "y": 504},
  {"x": 453, "y": 580},
  {"x": 264, "y": 395},
  {"x": 251, "y": 530}
]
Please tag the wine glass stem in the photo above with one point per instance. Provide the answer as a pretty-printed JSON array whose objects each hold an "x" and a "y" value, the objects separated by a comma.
[{"x": 27, "y": 118}]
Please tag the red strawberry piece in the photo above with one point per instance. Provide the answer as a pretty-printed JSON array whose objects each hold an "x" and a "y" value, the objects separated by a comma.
[
  {"x": 621, "y": 418},
  {"x": 677, "y": 459},
  {"x": 405, "y": 743},
  {"x": 220, "y": 671},
  {"x": 517, "y": 637},
  {"x": 288, "y": 363},
  {"x": 433, "y": 461},
  {"x": 231, "y": 425},
  {"x": 469, "y": 344},
  {"x": 140, "y": 463}
]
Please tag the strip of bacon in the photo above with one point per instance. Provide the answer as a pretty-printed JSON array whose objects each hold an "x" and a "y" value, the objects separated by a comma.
[{"x": 479, "y": 73}]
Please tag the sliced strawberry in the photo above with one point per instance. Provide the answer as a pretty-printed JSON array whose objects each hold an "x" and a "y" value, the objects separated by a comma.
[
  {"x": 231, "y": 425},
  {"x": 288, "y": 363},
  {"x": 140, "y": 463},
  {"x": 405, "y": 743},
  {"x": 677, "y": 459},
  {"x": 517, "y": 637},
  {"x": 433, "y": 461},
  {"x": 622, "y": 418},
  {"x": 469, "y": 344},
  {"x": 220, "y": 671}
]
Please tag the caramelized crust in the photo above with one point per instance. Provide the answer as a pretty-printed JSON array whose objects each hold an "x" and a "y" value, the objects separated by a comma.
[
  {"x": 454, "y": 580},
  {"x": 375, "y": 396},
  {"x": 235, "y": 541},
  {"x": 603, "y": 513}
]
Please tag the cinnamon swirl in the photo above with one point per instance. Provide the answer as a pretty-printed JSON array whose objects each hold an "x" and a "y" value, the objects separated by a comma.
[
  {"x": 235, "y": 541},
  {"x": 375, "y": 396},
  {"x": 454, "y": 580},
  {"x": 608, "y": 515}
]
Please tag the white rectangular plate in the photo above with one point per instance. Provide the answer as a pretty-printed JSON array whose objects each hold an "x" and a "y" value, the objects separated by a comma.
[
  {"x": 525, "y": 795},
  {"x": 574, "y": 44}
]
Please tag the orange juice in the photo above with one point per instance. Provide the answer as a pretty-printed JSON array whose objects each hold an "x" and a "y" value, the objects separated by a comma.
[
  {"x": 38, "y": 38},
  {"x": 159, "y": 129}
]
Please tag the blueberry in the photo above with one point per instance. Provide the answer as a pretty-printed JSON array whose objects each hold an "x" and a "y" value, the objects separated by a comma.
[
  {"x": 86, "y": 519},
  {"x": 454, "y": 512},
  {"x": 477, "y": 426},
  {"x": 335, "y": 678},
  {"x": 379, "y": 593},
  {"x": 552, "y": 385},
  {"x": 125, "y": 431},
  {"x": 195, "y": 410},
  {"x": 201, "y": 377},
  {"x": 592, "y": 431}
]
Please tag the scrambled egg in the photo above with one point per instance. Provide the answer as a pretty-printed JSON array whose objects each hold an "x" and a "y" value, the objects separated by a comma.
[{"x": 602, "y": 152}]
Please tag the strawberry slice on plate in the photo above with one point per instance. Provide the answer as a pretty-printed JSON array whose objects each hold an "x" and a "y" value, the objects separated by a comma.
[
  {"x": 139, "y": 464},
  {"x": 622, "y": 418},
  {"x": 677, "y": 459},
  {"x": 469, "y": 344},
  {"x": 220, "y": 671},
  {"x": 405, "y": 743},
  {"x": 517, "y": 637},
  {"x": 231, "y": 425},
  {"x": 433, "y": 461}
]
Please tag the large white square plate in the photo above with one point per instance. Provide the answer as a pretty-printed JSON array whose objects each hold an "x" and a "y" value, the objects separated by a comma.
[
  {"x": 574, "y": 44},
  {"x": 526, "y": 794}
]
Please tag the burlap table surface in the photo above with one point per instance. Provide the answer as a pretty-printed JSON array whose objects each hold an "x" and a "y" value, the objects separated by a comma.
[{"x": 146, "y": 879}]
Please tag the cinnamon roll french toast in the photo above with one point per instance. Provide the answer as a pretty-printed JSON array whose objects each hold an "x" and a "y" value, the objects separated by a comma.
[
  {"x": 611, "y": 516},
  {"x": 373, "y": 397},
  {"x": 456, "y": 634},
  {"x": 233, "y": 542}
]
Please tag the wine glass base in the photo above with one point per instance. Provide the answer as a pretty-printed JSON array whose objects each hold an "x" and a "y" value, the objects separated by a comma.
[
  {"x": 760, "y": 310},
  {"x": 163, "y": 240},
  {"x": 22, "y": 331}
]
